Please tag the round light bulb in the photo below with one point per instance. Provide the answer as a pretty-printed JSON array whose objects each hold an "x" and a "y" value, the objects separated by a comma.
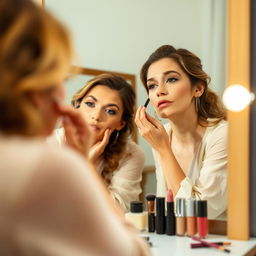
[{"x": 237, "y": 97}]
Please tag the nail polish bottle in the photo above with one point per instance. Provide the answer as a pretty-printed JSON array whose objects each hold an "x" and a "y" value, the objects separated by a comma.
[
  {"x": 202, "y": 220},
  {"x": 191, "y": 216},
  {"x": 137, "y": 216}
]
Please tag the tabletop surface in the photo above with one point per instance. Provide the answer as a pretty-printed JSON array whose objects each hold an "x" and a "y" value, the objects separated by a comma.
[{"x": 163, "y": 245}]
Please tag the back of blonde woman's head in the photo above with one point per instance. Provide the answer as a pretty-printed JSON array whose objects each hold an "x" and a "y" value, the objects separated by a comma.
[{"x": 35, "y": 53}]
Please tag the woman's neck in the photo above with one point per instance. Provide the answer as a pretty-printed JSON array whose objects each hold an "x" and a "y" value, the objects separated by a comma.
[{"x": 186, "y": 129}]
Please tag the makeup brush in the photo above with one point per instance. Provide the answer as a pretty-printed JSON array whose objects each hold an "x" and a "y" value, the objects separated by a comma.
[
  {"x": 151, "y": 212},
  {"x": 219, "y": 247},
  {"x": 146, "y": 103},
  {"x": 200, "y": 245}
]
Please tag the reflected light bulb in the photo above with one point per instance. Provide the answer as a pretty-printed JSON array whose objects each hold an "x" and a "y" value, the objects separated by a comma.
[{"x": 236, "y": 97}]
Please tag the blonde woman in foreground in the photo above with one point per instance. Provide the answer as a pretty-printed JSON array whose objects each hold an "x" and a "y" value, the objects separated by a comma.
[{"x": 52, "y": 202}]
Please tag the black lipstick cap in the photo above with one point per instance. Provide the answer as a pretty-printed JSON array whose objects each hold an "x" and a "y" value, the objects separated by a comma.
[
  {"x": 201, "y": 208},
  {"x": 160, "y": 215},
  {"x": 170, "y": 220}
]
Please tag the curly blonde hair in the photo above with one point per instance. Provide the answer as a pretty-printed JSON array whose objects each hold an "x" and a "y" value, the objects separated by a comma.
[
  {"x": 35, "y": 55},
  {"x": 115, "y": 149},
  {"x": 210, "y": 106}
]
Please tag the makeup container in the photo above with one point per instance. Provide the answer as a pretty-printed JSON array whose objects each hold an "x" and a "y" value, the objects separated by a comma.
[
  {"x": 137, "y": 216},
  {"x": 170, "y": 216},
  {"x": 151, "y": 212},
  {"x": 180, "y": 212},
  {"x": 191, "y": 217},
  {"x": 160, "y": 215},
  {"x": 202, "y": 220}
]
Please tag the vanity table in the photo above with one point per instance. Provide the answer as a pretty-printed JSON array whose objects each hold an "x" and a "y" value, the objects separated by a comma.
[{"x": 163, "y": 245}]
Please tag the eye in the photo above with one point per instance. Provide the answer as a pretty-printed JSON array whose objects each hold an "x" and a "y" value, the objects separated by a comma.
[
  {"x": 111, "y": 112},
  {"x": 171, "y": 80},
  {"x": 151, "y": 86},
  {"x": 89, "y": 104}
]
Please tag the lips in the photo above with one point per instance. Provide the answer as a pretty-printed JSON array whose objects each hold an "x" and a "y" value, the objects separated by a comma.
[
  {"x": 94, "y": 127},
  {"x": 163, "y": 103}
]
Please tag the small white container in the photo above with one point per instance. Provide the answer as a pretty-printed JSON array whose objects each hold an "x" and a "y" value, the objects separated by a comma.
[{"x": 137, "y": 216}]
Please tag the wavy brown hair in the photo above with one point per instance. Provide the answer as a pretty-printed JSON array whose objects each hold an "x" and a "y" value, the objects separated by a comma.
[
  {"x": 35, "y": 56},
  {"x": 115, "y": 149},
  {"x": 210, "y": 106}
]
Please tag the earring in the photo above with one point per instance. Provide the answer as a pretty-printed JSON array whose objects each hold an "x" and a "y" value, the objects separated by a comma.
[
  {"x": 197, "y": 103},
  {"x": 117, "y": 135}
]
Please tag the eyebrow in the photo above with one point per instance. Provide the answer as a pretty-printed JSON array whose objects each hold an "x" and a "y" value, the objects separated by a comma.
[
  {"x": 165, "y": 73},
  {"x": 108, "y": 105}
]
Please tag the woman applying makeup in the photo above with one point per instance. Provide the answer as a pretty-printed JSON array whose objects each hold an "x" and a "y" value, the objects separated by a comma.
[
  {"x": 51, "y": 200},
  {"x": 107, "y": 105},
  {"x": 190, "y": 151}
]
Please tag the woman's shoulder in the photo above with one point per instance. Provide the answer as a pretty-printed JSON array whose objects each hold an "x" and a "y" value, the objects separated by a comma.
[
  {"x": 216, "y": 133},
  {"x": 134, "y": 148},
  {"x": 33, "y": 155},
  {"x": 219, "y": 128}
]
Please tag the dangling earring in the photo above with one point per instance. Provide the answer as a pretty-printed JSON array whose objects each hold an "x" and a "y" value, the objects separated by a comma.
[
  {"x": 117, "y": 135},
  {"x": 197, "y": 103}
]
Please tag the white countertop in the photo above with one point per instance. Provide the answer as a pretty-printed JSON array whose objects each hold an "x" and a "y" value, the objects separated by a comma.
[{"x": 163, "y": 245}]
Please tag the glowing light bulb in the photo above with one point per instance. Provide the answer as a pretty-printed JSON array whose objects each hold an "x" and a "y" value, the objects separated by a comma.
[{"x": 236, "y": 97}]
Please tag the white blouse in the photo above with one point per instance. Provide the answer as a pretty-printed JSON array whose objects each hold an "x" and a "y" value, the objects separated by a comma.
[
  {"x": 52, "y": 204},
  {"x": 125, "y": 181},
  {"x": 207, "y": 175}
]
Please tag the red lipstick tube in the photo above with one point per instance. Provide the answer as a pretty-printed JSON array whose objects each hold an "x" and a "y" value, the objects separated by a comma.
[
  {"x": 202, "y": 220},
  {"x": 170, "y": 217}
]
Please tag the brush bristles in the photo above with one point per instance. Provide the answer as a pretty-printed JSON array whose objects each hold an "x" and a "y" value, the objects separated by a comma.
[{"x": 150, "y": 197}]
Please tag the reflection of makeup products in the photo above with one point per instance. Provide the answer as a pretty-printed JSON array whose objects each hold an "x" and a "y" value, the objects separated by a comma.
[
  {"x": 180, "y": 217},
  {"x": 136, "y": 215},
  {"x": 147, "y": 239},
  {"x": 219, "y": 247},
  {"x": 151, "y": 212},
  {"x": 146, "y": 103},
  {"x": 160, "y": 215},
  {"x": 202, "y": 221},
  {"x": 191, "y": 216},
  {"x": 170, "y": 217},
  {"x": 200, "y": 245}
]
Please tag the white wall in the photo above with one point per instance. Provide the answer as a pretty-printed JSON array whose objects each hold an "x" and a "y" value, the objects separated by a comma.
[{"x": 119, "y": 35}]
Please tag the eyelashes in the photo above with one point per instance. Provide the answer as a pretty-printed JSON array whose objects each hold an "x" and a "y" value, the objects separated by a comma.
[
  {"x": 169, "y": 80},
  {"x": 107, "y": 110}
]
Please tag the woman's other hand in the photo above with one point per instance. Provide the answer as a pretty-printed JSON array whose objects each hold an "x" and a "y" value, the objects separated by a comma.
[{"x": 98, "y": 148}]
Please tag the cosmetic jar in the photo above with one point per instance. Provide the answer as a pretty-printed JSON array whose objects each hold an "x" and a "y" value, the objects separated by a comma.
[{"x": 137, "y": 216}]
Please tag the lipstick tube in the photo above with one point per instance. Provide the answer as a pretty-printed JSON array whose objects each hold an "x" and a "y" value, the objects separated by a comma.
[
  {"x": 202, "y": 220},
  {"x": 191, "y": 216},
  {"x": 151, "y": 212},
  {"x": 180, "y": 212},
  {"x": 170, "y": 217},
  {"x": 160, "y": 215}
]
